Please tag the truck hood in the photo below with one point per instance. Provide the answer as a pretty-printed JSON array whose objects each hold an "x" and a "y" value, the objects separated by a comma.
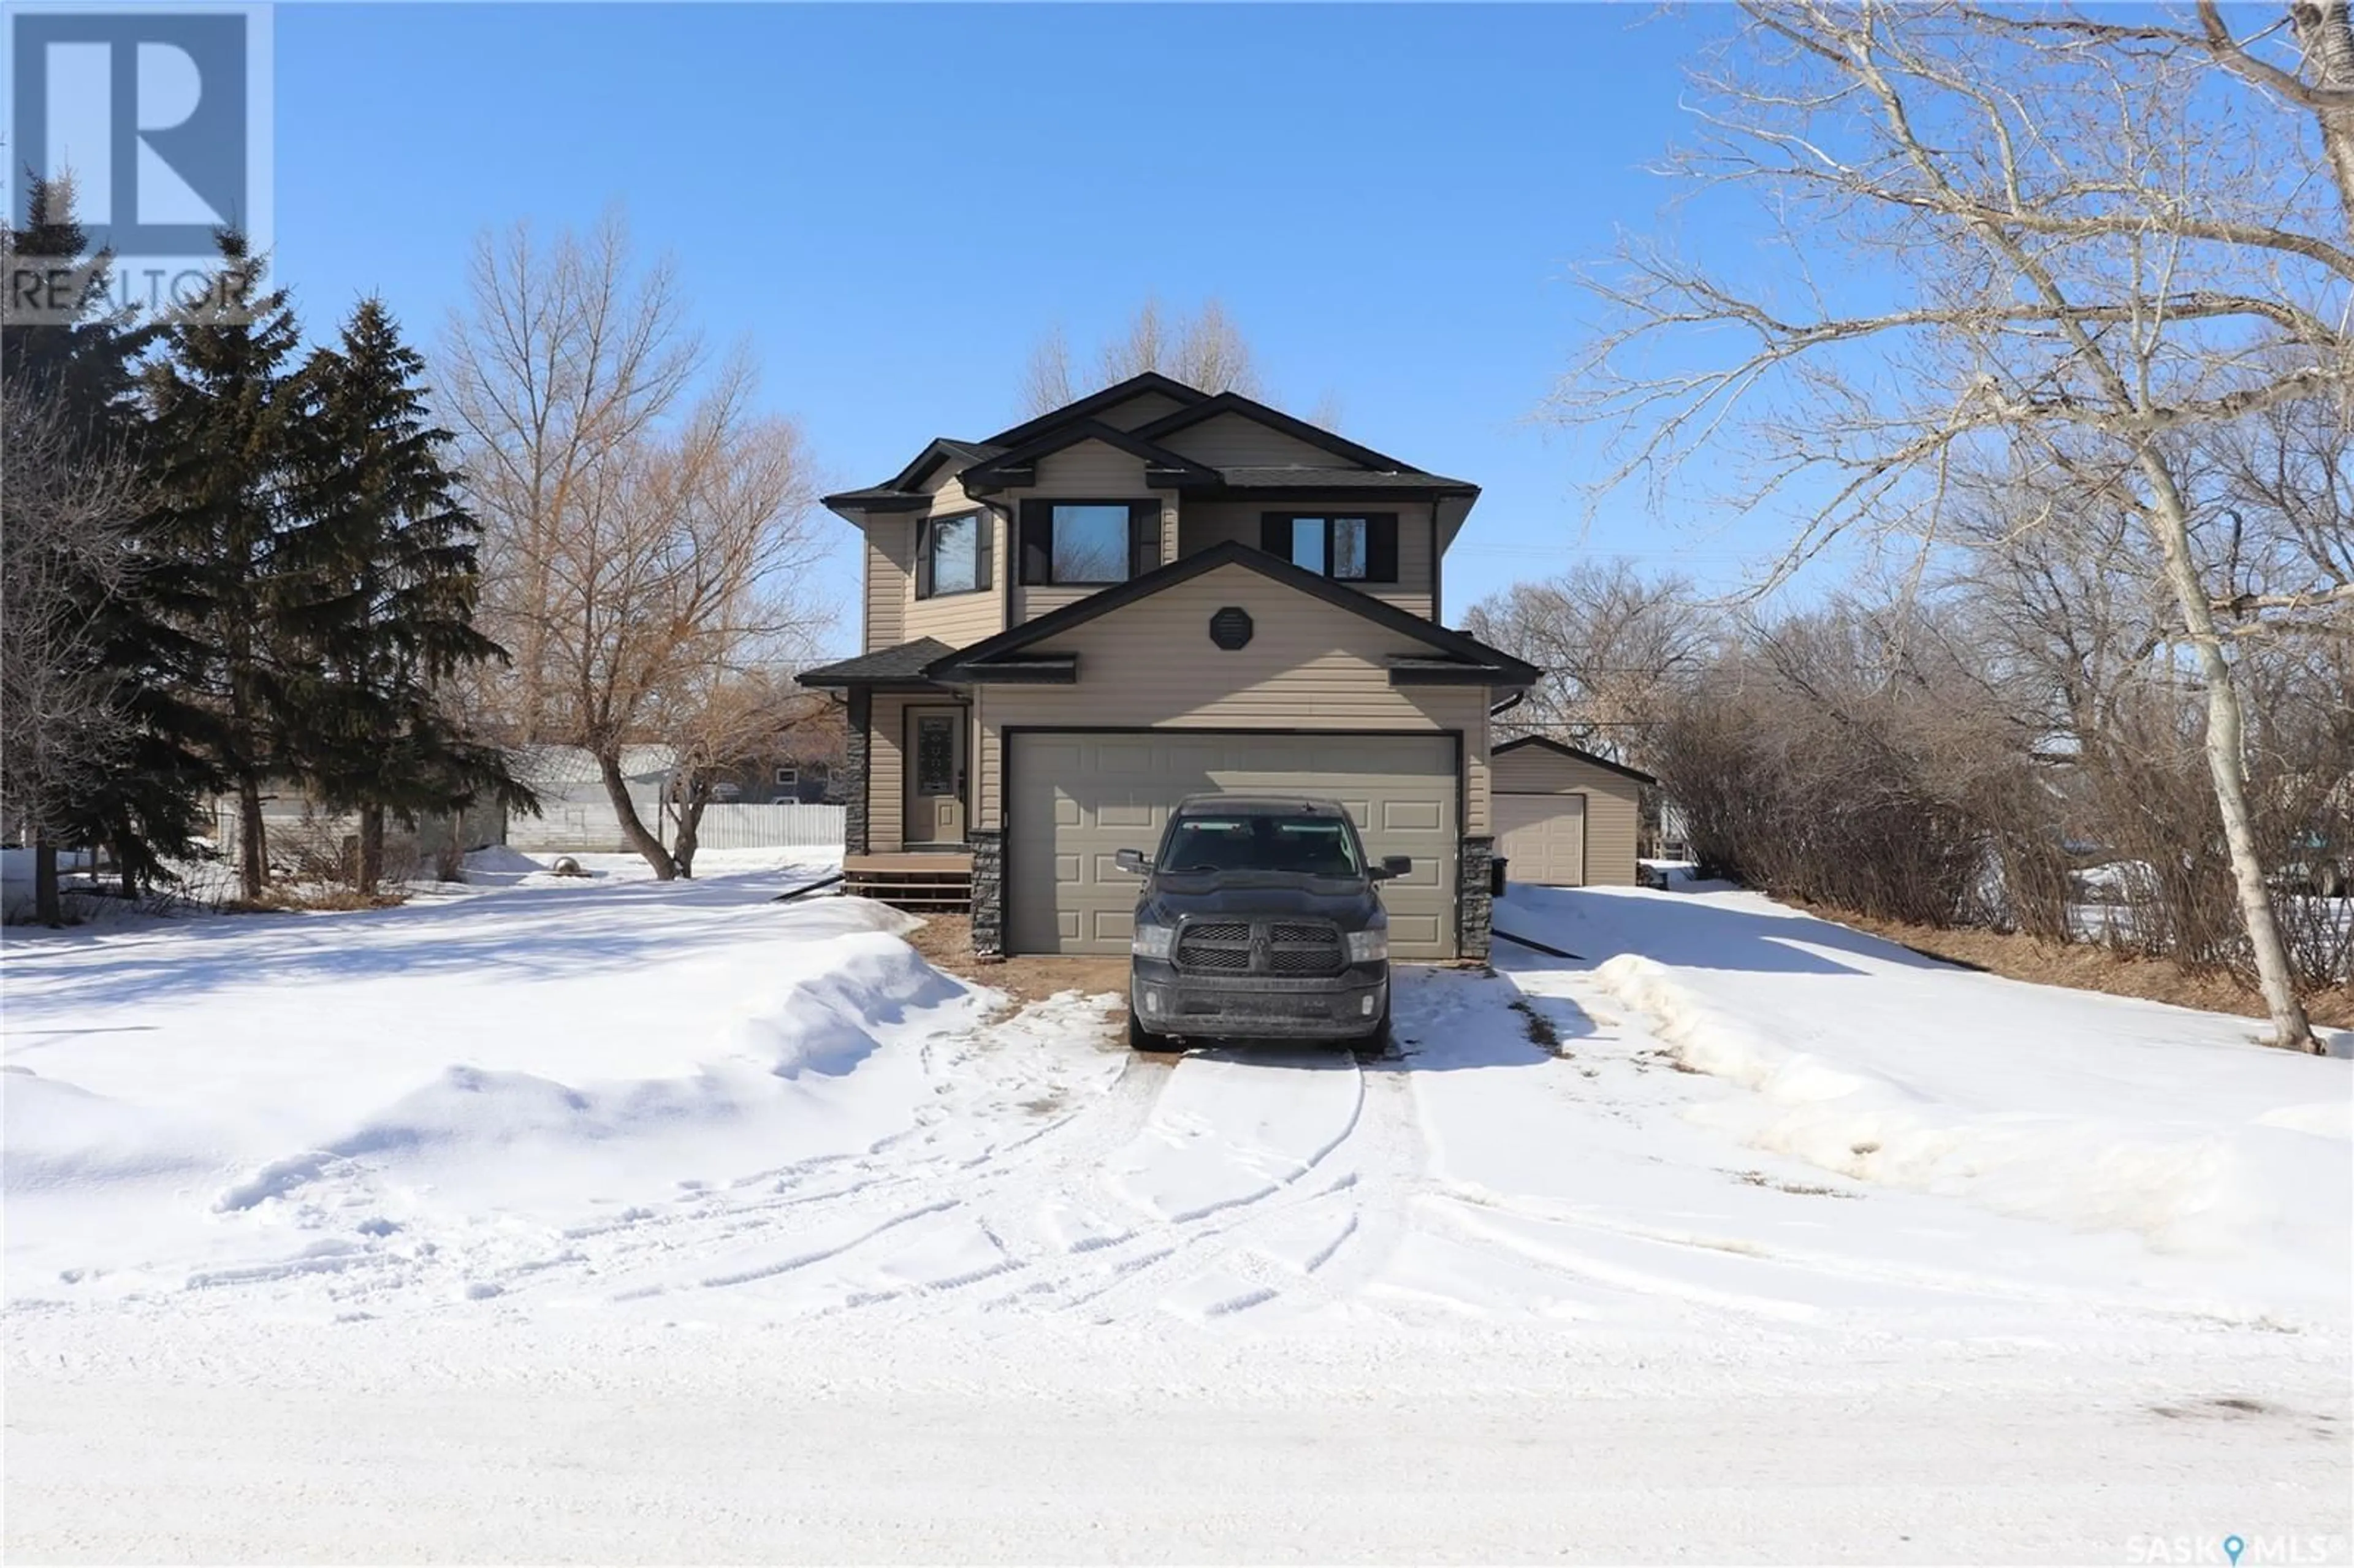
[{"x": 1240, "y": 895}]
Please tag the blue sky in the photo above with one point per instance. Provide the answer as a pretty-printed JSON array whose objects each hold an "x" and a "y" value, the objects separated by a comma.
[{"x": 891, "y": 204}]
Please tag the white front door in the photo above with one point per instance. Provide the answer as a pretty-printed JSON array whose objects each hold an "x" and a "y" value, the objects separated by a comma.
[{"x": 936, "y": 776}]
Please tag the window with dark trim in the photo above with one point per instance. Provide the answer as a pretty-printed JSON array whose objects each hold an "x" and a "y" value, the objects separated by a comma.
[
  {"x": 1091, "y": 544},
  {"x": 1347, "y": 547},
  {"x": 952, "y": 554}
]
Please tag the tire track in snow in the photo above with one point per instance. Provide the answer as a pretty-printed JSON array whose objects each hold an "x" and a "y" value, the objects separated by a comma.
[
  {"x": 990, "y": 1081},
  {"x": 1251, "y": 1172},
  {"x": 934, "y": 1180},
  {"x": 1234, "y": 1128}
]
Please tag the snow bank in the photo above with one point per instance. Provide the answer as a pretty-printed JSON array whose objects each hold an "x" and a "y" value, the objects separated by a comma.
[
  {"x": 2204, "y": 1176},
  {"x": 173, "y": 1102},
  {"x": 825, "y": 1014},
  {"x": 62, "y": 1136},
  {"x": 499, "y": 861}
]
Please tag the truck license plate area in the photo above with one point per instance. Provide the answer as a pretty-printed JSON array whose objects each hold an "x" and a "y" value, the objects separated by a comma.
[{"x": 1269, "y": 1006}]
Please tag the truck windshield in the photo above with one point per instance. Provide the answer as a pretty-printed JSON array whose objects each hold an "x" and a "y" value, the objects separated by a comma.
[{"x": 1303, "y": 846}]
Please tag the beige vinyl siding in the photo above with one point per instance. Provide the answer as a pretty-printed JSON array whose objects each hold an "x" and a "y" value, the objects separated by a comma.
[
  {"x": 1091, "y": 468},
  {"x": 1613, "y": 805},
  {"x": 1230, "y": 439},
  {"x": 1088, "y": 471},
  {"x": 1310, "y": 665},
  {"x": 1030, "y": 603},
  {"x": 959, "y": 618},
  {"x": 887, "y": 772},
  {"x": 890, "y": 557},
  {"x": 1203, "y": 523}
]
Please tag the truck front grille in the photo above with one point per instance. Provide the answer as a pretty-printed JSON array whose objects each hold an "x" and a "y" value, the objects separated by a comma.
[
  {"x": 1215, "y": 946},
  {"x": 1303, "y": 948},
  {"x": 1290, "y": 949}
]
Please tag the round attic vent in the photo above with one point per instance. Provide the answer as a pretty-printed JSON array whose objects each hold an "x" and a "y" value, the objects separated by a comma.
[{"x": 1231, "y": 628}]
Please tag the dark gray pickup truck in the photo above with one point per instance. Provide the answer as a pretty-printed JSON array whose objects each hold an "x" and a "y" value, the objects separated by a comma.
[{"x": 1259, "y": 919}]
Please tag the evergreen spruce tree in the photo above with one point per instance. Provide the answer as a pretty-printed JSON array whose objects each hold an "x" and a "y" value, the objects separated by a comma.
[
  {"x": 226, "y": 403},
  {"x": 67, "y": 349},
  {"x": 62, "y": 339},
  {"x": 380, "y": 593}
]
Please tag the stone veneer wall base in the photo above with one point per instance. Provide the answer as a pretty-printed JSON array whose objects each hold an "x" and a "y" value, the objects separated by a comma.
[
  {"x": 1475, "y": 900},
  {"x": 988, "y": 891},
  {"x": 856, "y": 752}
]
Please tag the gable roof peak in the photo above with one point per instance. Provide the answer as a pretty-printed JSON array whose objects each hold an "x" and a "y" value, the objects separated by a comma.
[
  {"x": 1162, "y": 466},
  {"x": 1211, "y": 407},
  {"x": 1143, "y": 384},
  {"x": 1562, "y": 748}
]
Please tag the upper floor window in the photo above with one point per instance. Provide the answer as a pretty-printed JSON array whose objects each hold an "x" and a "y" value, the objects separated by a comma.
[
  {"x": 1357, "y": 549},
  {"x": 788, "y": 776},
  {"x": 1091, "y": 543},
  {"x": 952, "y": 554}
]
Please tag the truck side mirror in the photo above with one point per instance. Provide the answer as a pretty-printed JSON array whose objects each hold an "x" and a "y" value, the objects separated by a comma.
[
  {"x": 1133, "y": 860},
  {"x": 1395, "y": 865}
]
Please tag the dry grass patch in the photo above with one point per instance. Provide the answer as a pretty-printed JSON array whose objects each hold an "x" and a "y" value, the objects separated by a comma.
[
  {"x": 1799, "y": 1189},
  {"x": 2088, "y": 966},
  {"x": 946, "y": 942},
  {"x": 283, "y": 900}
]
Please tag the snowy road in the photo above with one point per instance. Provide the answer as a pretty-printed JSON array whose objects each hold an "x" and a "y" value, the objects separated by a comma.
[{"x": 774, "y": 1243}]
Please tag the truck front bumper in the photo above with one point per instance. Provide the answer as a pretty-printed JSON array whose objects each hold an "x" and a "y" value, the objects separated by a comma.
[{"x": 1346, "y": 1006}]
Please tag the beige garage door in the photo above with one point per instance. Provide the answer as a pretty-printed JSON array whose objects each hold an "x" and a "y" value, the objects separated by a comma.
[
  {"x": 1543, "y": 837},
  {"x": 1074, "y": 800}
]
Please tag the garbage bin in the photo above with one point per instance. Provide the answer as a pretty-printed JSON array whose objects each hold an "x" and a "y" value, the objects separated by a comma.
[{"x": 1495, "y": 875}]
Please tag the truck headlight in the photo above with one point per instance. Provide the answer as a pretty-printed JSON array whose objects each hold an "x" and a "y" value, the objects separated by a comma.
[
  {"x": 1151, "y": 941},
  {"x": 1367, "y": 946}
]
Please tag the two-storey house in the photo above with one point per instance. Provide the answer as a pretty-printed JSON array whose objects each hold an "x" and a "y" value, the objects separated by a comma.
[{"x": 1147, "y": 593}]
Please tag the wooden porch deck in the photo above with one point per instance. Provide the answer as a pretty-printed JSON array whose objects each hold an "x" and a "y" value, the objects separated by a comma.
[{"x": 922, "y": 881}]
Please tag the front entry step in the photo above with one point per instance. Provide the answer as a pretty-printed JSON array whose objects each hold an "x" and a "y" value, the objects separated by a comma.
[{"x": 919, "y": 882}]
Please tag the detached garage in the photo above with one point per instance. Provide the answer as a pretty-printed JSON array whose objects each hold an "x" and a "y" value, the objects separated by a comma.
[{"x": 1565, "y": 818}]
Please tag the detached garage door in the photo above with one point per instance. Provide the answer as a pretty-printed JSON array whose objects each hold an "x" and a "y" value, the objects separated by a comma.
[
  {"x": 1074, "y": 800},
  {"x": 1543, "y": 837}
]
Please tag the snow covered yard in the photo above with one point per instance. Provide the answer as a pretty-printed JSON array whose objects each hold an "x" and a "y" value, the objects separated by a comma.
[{"x": 601, "y": 1219}]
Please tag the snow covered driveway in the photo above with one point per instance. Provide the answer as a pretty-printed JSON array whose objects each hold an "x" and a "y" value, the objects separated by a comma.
[{"x": 617, "y": 1221}]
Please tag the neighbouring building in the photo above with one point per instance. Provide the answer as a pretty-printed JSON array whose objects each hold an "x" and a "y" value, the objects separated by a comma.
[{"x": 1566, "y": 817}]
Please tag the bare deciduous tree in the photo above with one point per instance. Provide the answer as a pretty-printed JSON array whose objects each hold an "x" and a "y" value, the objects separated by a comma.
[
  {"x": 646, "y": 533},
  {"x": 726, "y": 720},
  {"x": 65, "y": 554},
  {"x": 1206, "y": 350},
  {"x": 1613, "y": 646},
  {"x": 2043, "y": 238},
  {"x": 570, "y": 358}
]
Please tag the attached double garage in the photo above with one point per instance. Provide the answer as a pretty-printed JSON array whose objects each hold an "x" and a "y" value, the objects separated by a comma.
[
  {"x": 1563, "y": 817},
  {"x": 1227, "y": 672},
  {"x": 1075, "y": 799}
]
